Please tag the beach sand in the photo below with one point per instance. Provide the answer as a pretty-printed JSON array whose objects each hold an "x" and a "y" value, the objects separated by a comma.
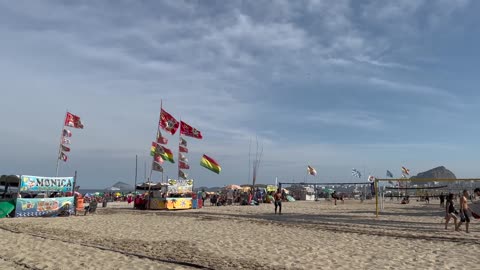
[{"x": 309, "y": 235}]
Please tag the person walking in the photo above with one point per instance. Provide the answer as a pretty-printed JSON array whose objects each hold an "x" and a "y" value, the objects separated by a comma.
[
  {"x": 442, "y": 199},
  {"x": 464, "y": 218},
  {"x": 277, "y": 197},
  {"x": 450, "y": 212}
]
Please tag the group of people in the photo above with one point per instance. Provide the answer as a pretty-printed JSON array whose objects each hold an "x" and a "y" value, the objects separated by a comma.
[{"x": 464, "y": 212}]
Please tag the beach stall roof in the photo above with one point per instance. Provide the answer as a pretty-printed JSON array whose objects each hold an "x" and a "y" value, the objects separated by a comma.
[
  {"x": 11, "y": 180},
  {"x": 151, "y": 186}
]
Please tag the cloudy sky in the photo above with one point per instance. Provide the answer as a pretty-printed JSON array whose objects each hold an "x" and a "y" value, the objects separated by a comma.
[{"x": 372, "y": 85}]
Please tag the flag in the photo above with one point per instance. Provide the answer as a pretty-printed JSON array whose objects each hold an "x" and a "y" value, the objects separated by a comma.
[
  {"x": 158, "y": 159},
  {"x": 64, "y": 148},
  {"x": 405, "y": 171},
  {"x": 65, "y": 141},
  {"x": 371, "y": 178},
  {"x": 189, "y": 131},
  {"x": 182, "y": 174},
  {"x": 67, "y": 133},
  {"x": 210, "y": 164},
  {"x": 63, "y": 157},
  {"x": 182, "y": 157},
  {"x": 311, "y": 170},
  {"x": 166, "y": 154},
  {"x": 183, "y": 149},
  {"x": 157, "y": 167},
  {"x": 183, "y": 142},
  {"x": 356, "y": 173},
  {"x": 156, "y": 149},
  {"x": 161, "y": 139},
  {"x": 183, "y": 165},
  {"x": 71, "y": 120},
  {"x": 168, "y": 122},
  {"x": 389, "y": 174}
]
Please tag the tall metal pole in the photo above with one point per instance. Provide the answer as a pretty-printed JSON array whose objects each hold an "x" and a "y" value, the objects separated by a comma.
[
  {"x": 74, "y": 195},
  {"x": 376, "y": 197},
  {"x": 136, "y": 172}
]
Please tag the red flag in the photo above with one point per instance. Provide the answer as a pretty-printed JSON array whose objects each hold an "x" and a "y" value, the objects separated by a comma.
[
  {"x": 71, "y": 120},
  {"x": 189, "y": 131},
  {"x": 161, "y": 139},
  {"x": 158, "y": 159},
  {"x": 183, "y": 149},
  {"x": 63, "y": 157},
  {"x": 168, "y": 122},
  {"x": 65, "y": 149},
  {"x": 183, "y": 165}
]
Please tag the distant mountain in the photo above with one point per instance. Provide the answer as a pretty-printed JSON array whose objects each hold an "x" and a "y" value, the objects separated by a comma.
[
  {"x": 122, "y": 186},
  {"x": 435, "y": 173}
]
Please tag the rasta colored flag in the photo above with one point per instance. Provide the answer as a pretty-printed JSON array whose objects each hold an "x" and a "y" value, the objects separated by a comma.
[
  {"x": 158, "y": 150},
  {"x": 210, "y": 164}
]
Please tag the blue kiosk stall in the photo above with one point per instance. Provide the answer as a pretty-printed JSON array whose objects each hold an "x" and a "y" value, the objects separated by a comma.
[{"x": 39, "y": 196}]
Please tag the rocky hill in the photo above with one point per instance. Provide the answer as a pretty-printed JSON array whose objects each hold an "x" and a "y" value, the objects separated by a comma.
[{"x": 435, "y": 173}]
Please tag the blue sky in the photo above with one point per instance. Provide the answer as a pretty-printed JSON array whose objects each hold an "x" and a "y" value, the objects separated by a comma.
[{"x": 373, "y": 85}]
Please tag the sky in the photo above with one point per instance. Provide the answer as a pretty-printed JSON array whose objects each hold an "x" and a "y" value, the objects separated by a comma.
[{"x": 335, "y": 84}]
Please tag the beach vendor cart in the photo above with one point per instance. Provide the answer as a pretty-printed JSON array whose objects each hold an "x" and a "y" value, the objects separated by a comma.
[
  {"x": 173, "y": 195},
  {"x": 38, "y": 196}
]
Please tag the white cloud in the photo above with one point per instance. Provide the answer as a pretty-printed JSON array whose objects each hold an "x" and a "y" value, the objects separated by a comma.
[{"x": 355, "y": 119}]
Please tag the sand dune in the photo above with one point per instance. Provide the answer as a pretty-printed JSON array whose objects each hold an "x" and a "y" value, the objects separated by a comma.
[{"x": 309, "y": 235}]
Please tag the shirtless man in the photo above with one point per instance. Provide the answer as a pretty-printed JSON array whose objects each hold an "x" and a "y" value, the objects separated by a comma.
[
  {"x": 464, "y": 211},
  {"x": 277, "y": 197}
]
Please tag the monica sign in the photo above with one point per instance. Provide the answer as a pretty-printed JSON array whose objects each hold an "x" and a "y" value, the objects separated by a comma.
[{"x": 41, "y": 183}]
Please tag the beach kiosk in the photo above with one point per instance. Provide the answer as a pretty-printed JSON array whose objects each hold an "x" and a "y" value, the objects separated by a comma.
[
  {"x": 173, "y": 195},
  {"x": 39, "y": 196}
]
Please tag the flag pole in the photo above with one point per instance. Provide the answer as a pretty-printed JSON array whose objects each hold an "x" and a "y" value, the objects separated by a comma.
[
  {"x": 136, "y": 171},
  {"x": 60, "y": 145},
  {"x": 179, "y": 136},
  {"x": 158, "y": 130}
]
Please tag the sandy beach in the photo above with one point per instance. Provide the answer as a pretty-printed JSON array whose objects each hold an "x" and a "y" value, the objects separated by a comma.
[{"x": 309, "y": 235}]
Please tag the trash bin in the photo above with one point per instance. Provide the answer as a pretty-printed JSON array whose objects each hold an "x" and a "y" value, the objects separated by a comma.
[{"x": 104, "y": 203}]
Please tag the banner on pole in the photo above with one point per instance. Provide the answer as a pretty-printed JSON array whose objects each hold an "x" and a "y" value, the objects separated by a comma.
[{"x": 42, "y": 183}]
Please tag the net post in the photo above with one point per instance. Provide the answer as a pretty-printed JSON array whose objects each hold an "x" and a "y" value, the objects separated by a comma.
[{"x": 376, "y": 197}]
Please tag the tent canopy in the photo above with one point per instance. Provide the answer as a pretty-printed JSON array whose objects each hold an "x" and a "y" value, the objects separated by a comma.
[
  {"x": 151, "y": 186},
  {"x": 11, "y": 180}
]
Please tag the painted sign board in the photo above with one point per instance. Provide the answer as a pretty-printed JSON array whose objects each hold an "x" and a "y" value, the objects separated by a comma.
[
  {"x": 42, "y": 183},
  {"x": 33, "y": 207}
]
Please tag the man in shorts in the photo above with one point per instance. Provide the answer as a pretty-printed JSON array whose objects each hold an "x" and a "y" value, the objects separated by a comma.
[
  {"x": 277, "y": 198},
  {"x": 464, "y": 218}
]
